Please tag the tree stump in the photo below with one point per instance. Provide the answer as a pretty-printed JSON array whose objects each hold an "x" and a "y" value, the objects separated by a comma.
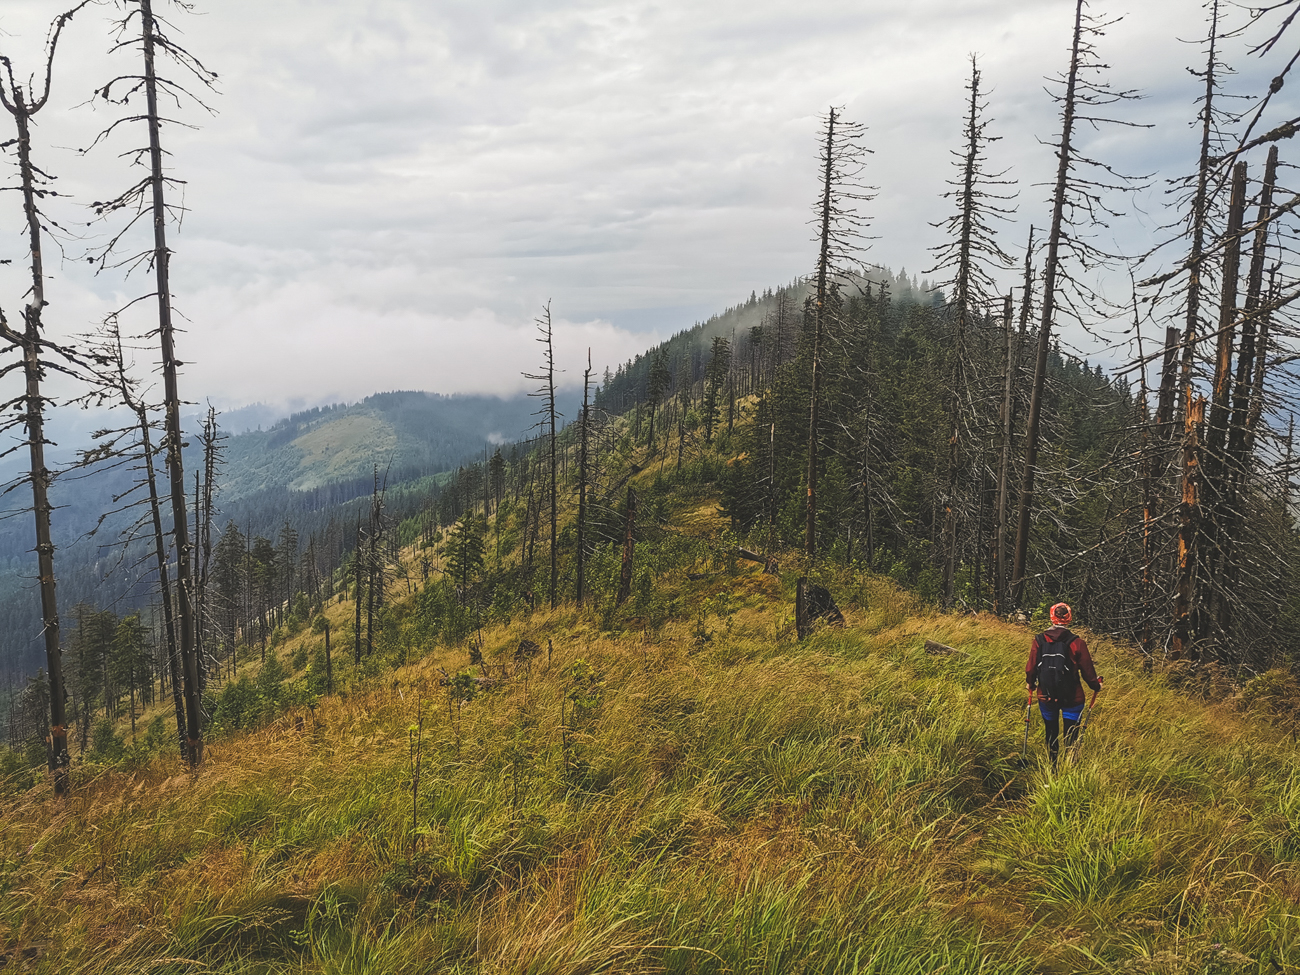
[{"x": 813, "y": 603}]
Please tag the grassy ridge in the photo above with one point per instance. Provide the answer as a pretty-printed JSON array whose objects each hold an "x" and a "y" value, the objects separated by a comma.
[{"x": 710, "y": 797}]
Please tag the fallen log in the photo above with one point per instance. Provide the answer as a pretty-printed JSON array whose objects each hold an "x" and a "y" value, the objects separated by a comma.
[{"x": 766, "y": 561}]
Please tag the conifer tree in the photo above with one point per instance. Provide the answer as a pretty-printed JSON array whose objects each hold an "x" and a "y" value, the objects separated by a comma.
[
  {"x": 548, "y": 417},
  {"x": 1074, "y": 198}
]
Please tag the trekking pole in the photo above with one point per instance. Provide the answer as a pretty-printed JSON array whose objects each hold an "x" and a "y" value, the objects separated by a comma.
[
  {"x": 1083, "y": 725},
  {"x": 1088, "y": 714},
  {"x": 1024, "y": 747}
]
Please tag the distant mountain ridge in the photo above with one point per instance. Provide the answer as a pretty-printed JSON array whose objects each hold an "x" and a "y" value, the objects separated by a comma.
[
  {"x": 292, "y": 470},
  {"x": 406, "y": 432}
]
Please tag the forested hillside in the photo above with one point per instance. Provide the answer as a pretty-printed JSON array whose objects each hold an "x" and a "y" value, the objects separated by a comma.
[
  {"x": 302, "y": 472},
  {"x": 421, "y": 764}
]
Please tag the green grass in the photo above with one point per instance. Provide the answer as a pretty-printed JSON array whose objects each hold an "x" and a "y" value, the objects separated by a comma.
[
  {"x": 718, "y": 799},
  {"x": 851, "y": 804}
]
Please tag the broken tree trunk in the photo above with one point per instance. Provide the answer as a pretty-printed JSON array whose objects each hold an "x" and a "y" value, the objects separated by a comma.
[
  {"x": 768, "y": 562},
  {"x": 813, "y": 603}
]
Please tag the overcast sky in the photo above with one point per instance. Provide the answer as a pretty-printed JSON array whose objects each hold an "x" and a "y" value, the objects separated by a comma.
[{"x": 390, "y": 190}]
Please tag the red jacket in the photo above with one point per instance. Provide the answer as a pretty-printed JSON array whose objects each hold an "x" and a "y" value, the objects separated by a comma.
[{"x": 1082, "y": 663}]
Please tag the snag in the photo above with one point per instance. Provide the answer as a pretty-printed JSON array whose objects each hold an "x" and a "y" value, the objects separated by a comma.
[{"x": 813, "y": 603}]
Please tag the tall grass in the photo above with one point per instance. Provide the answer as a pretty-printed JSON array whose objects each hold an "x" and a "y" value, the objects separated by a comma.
[{"x": 741, "y": 804}]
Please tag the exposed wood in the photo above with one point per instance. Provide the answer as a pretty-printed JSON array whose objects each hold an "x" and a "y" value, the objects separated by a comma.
[
  {"x": 1188, "y": 530},
  {"x": 768, "y": 562},
  {"x": 942, "y": 649}
]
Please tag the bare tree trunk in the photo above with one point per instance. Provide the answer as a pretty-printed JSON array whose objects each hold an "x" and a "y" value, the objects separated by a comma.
[
  {"x": 957, "y": 390},
  {"x": 34, "y": 370},
  {"x": 1145, "y": 470},
  {"x": 1188, "y": 530},
  {"x": 814, "y": 406},
  {"x": 1064, "y": 152},
  {"x": 22, "y": 106},
  {"x": 547, "y": 423},
  {"x": 1261, "y": 368},
  {"x": 1286, "y": 468},
  {"x": 160, "y": 551},
  {"x": 1004, "y": 460},
  {"x": 550, "y": 409},
  {"x": 358, "y": 562},
  {"x": 771, "y": 498},
  {"x": 584, "y": 432},
  {"x": 180, "y": 527},
  {"x": 374, "y": 579},
  {"x": 1235, "y": 461}
]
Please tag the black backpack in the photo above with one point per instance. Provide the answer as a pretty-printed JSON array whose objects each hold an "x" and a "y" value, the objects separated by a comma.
[{"x": 1058, "y": 677}]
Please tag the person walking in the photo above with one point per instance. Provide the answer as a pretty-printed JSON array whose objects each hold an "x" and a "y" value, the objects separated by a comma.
[{"x": 1058, "y": 660}]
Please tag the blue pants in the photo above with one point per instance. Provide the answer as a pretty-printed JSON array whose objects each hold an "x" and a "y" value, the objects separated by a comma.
[{"x": 1052, "y": 717}]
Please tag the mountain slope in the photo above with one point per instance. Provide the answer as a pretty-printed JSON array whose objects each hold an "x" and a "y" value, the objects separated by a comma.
[
  {"x": 676, "y": 786},
  {"x": 267, "y": 477}
]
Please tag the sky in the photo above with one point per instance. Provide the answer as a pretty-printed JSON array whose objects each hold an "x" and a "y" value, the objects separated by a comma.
[{"x": 386, "y": 194}]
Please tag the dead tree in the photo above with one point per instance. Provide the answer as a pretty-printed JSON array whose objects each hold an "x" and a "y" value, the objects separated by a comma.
[
  {"x": 584, "y": 432},
  {"x": 115, "y": 383},
  {"x": 358, "y": 566},
  {"x": 204, "y": 508},
  {"x": 548, "y": 416},
  {"x": 1197, "y": 231},
  {"x": 839, "y": 239},
  {"x": 140, "y": 27},
  {"x": 22, "y": 104},
  {"x": 1010, "y": 382},
  {"x": 970, "y": 256},
  {"x": 1071, "y": 194},
  {"x": 1199, "y": 530}
]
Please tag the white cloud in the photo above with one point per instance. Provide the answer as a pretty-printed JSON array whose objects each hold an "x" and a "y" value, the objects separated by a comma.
[{"x": 390, "y": 192}]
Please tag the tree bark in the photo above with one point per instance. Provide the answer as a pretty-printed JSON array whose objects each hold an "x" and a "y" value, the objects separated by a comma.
[
  {"x": 180, "y": 527},
  {"x": 34, "y": 370},
  {"x": 1064, "y": 156},
  {"x": 823, "y": 259},
  {"x": 584, "y": 431}
]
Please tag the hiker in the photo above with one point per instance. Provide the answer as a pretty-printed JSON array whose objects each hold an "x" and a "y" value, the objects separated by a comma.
[{"x": 1057, "y": 659}]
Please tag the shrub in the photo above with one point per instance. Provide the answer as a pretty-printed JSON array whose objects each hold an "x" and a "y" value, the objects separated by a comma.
[
  {"x": 17, "y": 772},
  {"x": 105, "y": 745},
  {"x": 1273, "y": 692}
]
